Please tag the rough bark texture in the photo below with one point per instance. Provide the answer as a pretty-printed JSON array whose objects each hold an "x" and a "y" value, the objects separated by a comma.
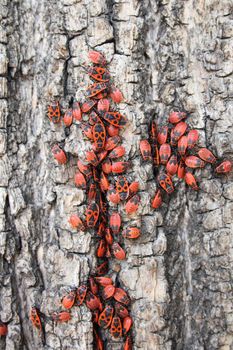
[{"x": 163, "y": 54}]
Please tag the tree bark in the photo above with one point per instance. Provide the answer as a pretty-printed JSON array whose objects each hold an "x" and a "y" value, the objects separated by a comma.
[{"x": 163, "y": 55}]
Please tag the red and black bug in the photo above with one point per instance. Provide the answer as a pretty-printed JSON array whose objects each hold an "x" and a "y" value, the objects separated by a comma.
[
  {"x": 172, "y": 165},
  {"x": 108, "y": 252},
  {"x": 85, "y": 169},
  {"x": 107, "y": 166},
  {"x": 115, "y": 222},
  {"x": 162, "y": 135},
  {"x": 80, "y": 181},
  {"x": 118, "y": 251},
  {"x": 101, "y": 249},
  {"x": 157, "y": 200},
  {"x": 92, "y": 192},
  {"x": 69, "y": 299},
  {"x": 191, "y": 181},
  {"x": 76, "y": 222},
  {"x": 133, "y": 188},
  {"x": 96, "y": 175},
  {"x": 62, "y": 316},
  {"x": 112, "y": 142},
  {"x": 206, "y": 155},
  {"x": 103, "y": 105},
  {"x": 97, "y": 58},
  {"x": 87, "y": 131},
  {"x": 99, "y": 136},
  {"x": 178, "y": 131},
  {"x": 59, "y": 154},
  {"x": 121, "y": 296},
  {"x": 166, "y": 182},
  {"x": 101, "y": 229},
  {"x": 113, "y": 195},
  {"x": 81, "y": 294},
  {"x": 102, "y": 155},
  {"x": 156, "y": 156},
  {"x": 194, "y": 162},
  {"x": 224, "y": 168},
  {"x": 164, "y": 153},
  {"x": 173, "y": 141},
  {"x": 103, "y": 208},
  {"x": 96, "y": 88},
  {"x": 132, "y": 204},
  {"x": 112, "y": 130},
  {"x": 68, "y": 117},
  {"x": 127, "y": 324},
  {"x": 94, "y": 118},
  {"x": 182, "y": 145},
  {"x": 54, "y": 112},
  {"x": 104, "y": 281},
  {"x": 92, "y": 301},
  {"x": 93, "y": 286},
  {"x": 101, "y": 95},
  {"x": 128, "y": 343},
  {"x": 176, "y": 117},
  {"x": 116, "y": 327},
  {"x": 145, "y": 149},
  {"x": 104, "y": 183},
  {"x": 92, "y": 214},
  {"x": 108, "y": 291},
  {"x": 153, "y": 132},
  {"x": 193, "y": 136},
  {"x": 115, "y": 94},
  {"x": 35, "y": 318},
  {"x": 76, "y": 111},
  {"x": 102, "y": 268},
  {"x": 122, "y": 187},
  {"x": 120, "y": 167},
  {"x": 91, "y": 158},
  {"x": 181, "y": 169},
  {"x": 131, "y": 232},
  {"x": 108, "y": 236},
  {"x": 88, "y": 105},
  {"x": 117, "y": 152},
  {"x": 121, "y": 310},
  {"x": 98, "y": 73},
  {"x": 115, "y": 118},
  {"x": 105, "y": 317}
]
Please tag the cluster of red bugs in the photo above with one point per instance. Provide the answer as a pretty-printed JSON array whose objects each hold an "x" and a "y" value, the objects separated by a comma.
[
  {"x": 173, "y": 149},
  {"x": 107, "y": 300}
]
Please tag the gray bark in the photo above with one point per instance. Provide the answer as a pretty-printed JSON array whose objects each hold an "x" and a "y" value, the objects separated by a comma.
[{"x": 164, "y": 55}]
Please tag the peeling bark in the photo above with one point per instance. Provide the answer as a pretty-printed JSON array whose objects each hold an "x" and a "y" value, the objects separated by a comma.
[{"x": 163, "y": 55}]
